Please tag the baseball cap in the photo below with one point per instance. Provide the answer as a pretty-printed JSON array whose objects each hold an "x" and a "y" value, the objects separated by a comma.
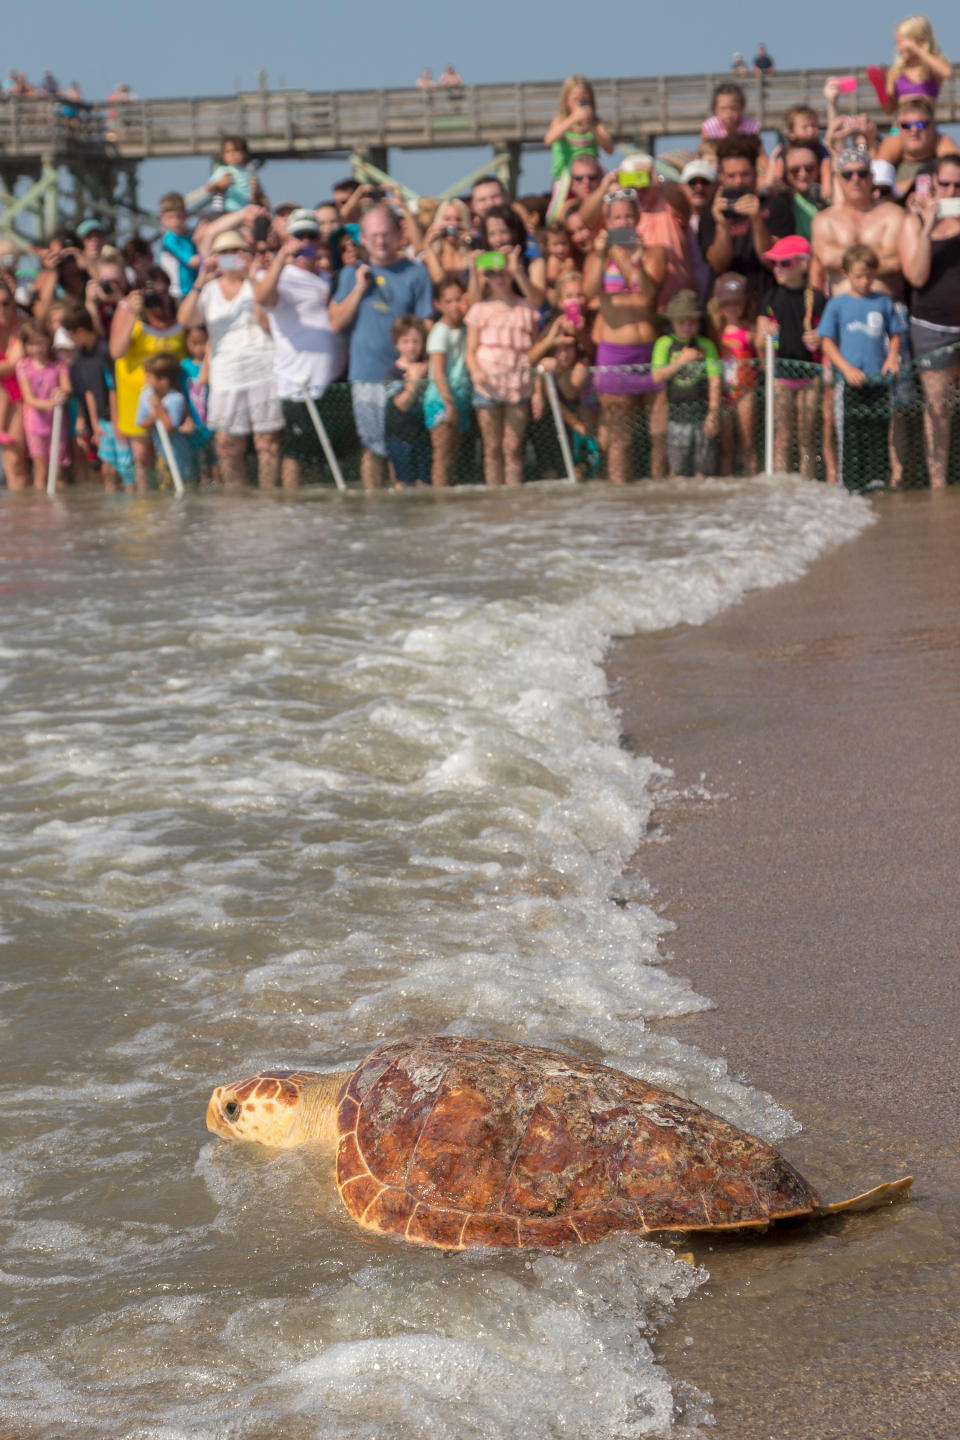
[
  {"x": 730, "y": 286},
  {"x": 698, "y": 170},
  {"x": 303, "y": 222},
  {"x": 789, "y": 248},
  {"x": 884, "y": 174},
  {"x": 90, "y": 227},
  {"x": 853, "y": 155}
]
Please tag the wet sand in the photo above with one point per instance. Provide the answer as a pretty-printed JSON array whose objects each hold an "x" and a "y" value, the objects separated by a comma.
[{"x": 814, "y": 889}]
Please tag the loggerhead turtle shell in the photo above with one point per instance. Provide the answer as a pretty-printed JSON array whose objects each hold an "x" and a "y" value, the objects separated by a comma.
[{"x": 456, "y": 1142}]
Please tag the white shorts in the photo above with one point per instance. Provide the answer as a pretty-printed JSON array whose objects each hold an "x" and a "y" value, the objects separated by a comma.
[{"x": 252, "y": 411}]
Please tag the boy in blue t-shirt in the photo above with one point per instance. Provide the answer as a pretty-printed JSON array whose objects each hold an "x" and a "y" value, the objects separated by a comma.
[
  {"x": 162, "y": 402},
  {"x": 861, "y": 334},
  {"x": 178, "y": 254}
]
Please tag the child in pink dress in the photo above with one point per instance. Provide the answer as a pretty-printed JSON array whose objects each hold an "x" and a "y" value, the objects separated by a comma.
[
  {"x": 501, "y": 328},
  {"x": 45, "y": 384}
]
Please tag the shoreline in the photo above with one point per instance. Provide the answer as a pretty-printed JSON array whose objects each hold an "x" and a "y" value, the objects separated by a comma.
[{"x": 813, "y": 903}]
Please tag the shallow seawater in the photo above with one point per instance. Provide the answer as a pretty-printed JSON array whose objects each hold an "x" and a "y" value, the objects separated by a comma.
[{"x": 283, "y": 777}]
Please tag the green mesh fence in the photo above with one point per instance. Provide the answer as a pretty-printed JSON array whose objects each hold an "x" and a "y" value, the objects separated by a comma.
[{"x": 891, "y": 430}]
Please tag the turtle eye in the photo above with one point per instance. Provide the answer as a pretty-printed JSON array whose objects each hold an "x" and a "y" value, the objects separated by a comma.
[{"x": 231, "y": 1110}]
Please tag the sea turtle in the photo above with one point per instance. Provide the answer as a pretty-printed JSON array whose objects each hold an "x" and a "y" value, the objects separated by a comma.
[{"x": 456, "y": 1142}]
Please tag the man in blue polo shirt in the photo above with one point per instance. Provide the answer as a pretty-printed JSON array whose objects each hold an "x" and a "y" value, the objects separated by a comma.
[{"x": 368, "y": 298}]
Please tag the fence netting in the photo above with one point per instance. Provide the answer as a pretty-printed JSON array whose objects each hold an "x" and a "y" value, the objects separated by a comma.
[{"x": 895, "y": 430}]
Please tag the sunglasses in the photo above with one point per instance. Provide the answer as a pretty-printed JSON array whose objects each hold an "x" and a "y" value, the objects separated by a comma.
[
  {"x": 860, "y": 173},
  {"x": 803, "y": 169},
  {"x": 578, "y": 179},
  {"x": 789, "y": 263},
  {"x": 917, "y": 125},
  {"x": 699, "y": 183}
]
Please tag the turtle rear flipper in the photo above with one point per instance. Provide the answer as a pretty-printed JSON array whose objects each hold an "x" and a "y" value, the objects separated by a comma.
[{"x": 870, "y": 1199}]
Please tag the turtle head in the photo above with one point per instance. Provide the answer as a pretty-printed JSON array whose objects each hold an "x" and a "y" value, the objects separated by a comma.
[{"x": 264, "y": 1108}]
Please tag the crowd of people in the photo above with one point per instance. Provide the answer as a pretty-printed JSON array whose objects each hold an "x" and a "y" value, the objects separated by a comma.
[{"x": 631, "y": 300}]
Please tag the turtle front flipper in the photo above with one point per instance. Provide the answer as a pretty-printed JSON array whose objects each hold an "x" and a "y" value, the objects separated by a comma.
[{"x": 870, "y": 1199}]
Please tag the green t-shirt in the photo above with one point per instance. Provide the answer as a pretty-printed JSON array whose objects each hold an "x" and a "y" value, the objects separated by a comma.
[{"x": 689, "y": 390}]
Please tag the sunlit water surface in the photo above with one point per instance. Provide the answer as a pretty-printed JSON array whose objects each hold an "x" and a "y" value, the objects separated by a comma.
[{"x": 283, "y": 777}]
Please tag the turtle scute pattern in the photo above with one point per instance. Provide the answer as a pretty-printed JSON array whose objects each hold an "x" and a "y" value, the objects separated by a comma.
[{"x": 455, "y": 1142}]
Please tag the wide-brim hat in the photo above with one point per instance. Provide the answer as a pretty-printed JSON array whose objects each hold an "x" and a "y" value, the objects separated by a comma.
[
  {"x": 684, "y": 305},
  {"x": 229, "y": 240}
]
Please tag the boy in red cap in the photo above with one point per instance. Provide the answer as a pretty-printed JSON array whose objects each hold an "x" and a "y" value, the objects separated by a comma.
[{"x": 791, "y": 313}]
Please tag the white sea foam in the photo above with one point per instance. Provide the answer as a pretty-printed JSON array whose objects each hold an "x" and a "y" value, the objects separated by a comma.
[{"x": 275, "y": 790}]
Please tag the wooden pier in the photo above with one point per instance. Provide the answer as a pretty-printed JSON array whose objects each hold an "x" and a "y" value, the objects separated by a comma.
[{"x": 102, "y": 144}]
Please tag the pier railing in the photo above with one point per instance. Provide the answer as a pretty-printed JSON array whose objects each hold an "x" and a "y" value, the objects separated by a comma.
[{"x": 291, "y": 123}]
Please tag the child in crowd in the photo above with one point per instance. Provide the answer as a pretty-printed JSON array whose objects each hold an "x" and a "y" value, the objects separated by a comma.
[
  {"x": 575, "y": 130},
  {"x": 559, "y": 256},
  {"x": 689, "y": 367},
  {"x": 791, "y": 314},
  {"x": 920, "y": 67},
  {"x": 162, "y": 402},
  {"x": 728, "y": 118},
  {"x": 447, "y": 402},
  {"x": 94, "y": 386},
  {"x": 408, "y": 447},
  {"x": 195, "y": 368},
  {"x": 564, "y": 352},
  {"x": 727, "y": 106},
  {"x": 801, "y": 126},
  {"x": 732, "y": 314},
  {"x": 235, "y": 181},
  {"x": 501, "y": 328},
  {"x": 178, "y": 254},
  {"x": 13, "y": 445},
  {"x": 44, "y": 383},
  {"x": 861, "y": 335}
]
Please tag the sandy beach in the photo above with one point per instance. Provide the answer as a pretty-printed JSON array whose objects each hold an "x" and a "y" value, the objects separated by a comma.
[{"x": 808, "y": 858}]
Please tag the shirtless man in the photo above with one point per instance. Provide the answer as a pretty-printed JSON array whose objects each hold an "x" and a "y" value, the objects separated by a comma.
[{"x": 855, "y": 218}]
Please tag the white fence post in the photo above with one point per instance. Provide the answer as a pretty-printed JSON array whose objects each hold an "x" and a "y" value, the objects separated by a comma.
[
  {"x": 54, "y": 463},
  {"x": 323, "y": 437},
  {"x": 166, "y": 445},
  {"x": 768, "y": 406},
  {"x": 565, "y": 450}
]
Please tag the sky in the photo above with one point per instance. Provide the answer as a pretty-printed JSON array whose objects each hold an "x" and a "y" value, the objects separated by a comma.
[{"x": 180, "y": 48}]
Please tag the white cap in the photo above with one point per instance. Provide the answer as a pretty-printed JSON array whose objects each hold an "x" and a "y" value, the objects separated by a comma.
[
  {"x": 883, "y": 173},
  {"x": 636, "y": 162},
  {"x": 698, "y": 170}
]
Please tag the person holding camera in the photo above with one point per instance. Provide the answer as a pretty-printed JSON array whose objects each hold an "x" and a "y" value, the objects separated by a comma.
[
  {"x": 930, "y": 256},
  {"x": 369, "y": 296},
  {"x": 624, "y": 276},
  {"x": 243, "y": 389},
  {"x": 447, "y": 248},
  {"x": 663, "y": 215},
  {"x": 743, "y": 225},
  {"x": 294, "y": 291},
  {"x": 144, "y": 324},
  {"x": 61, "y": 276}
]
